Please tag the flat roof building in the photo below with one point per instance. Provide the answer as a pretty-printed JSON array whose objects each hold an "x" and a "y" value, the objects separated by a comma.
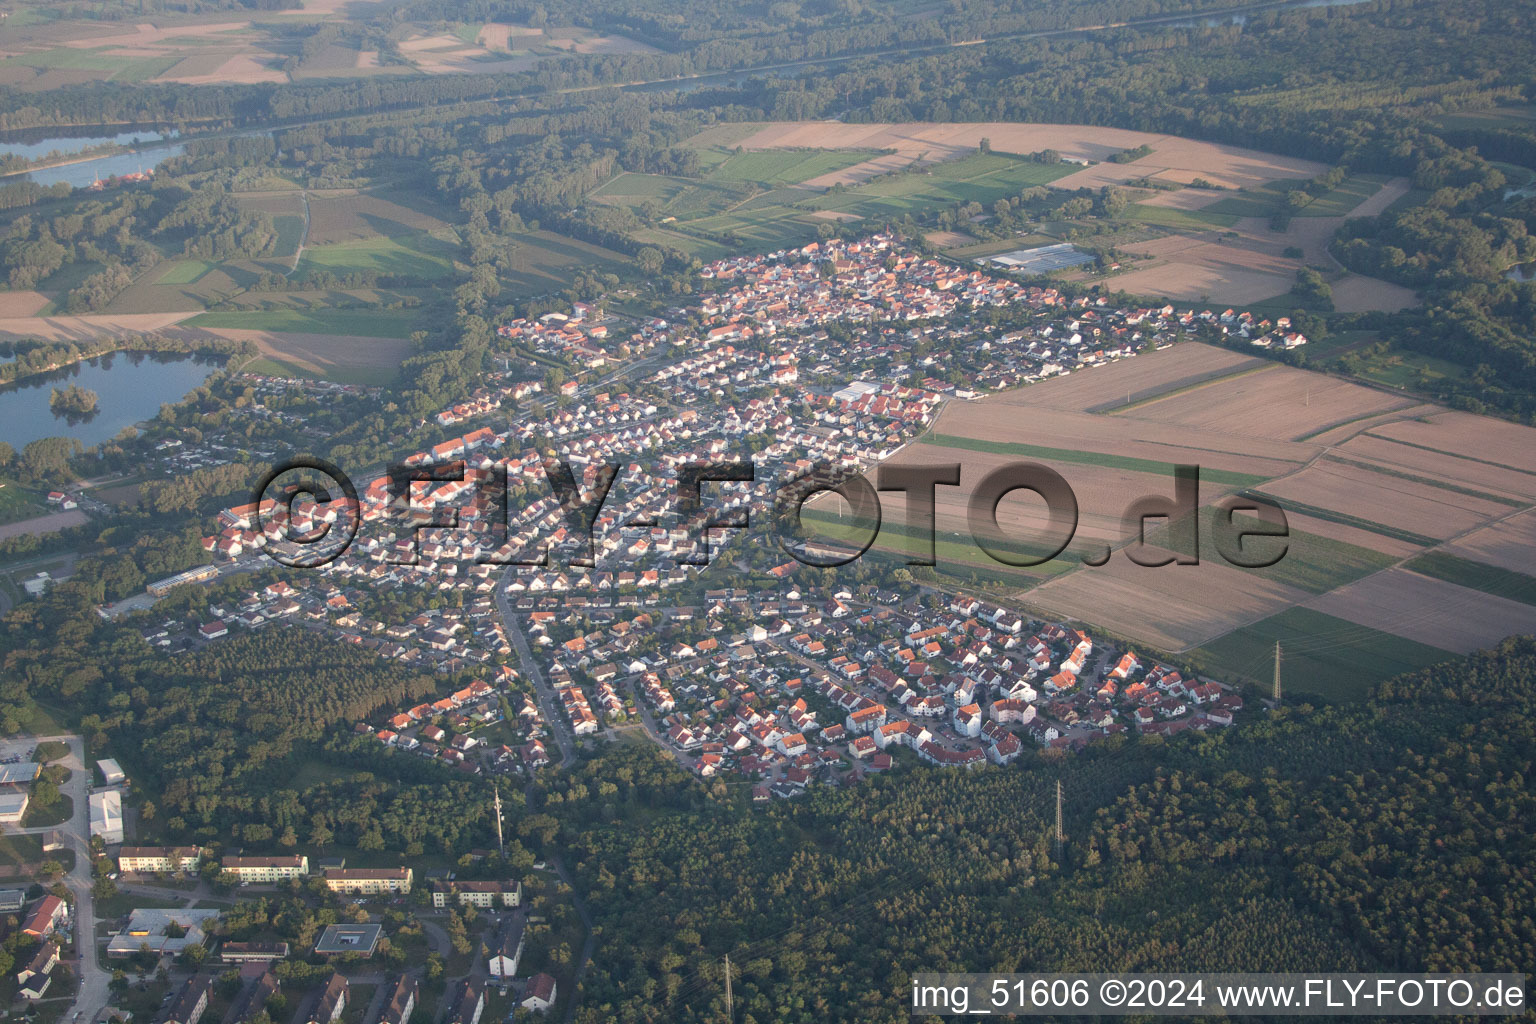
[
  {"x": 13, "y": 804},
  {"x": 111, "y": 772},
  {"x": 361, "y": 939},
  {"x": 107, "y": 816},
  {"x": 148, "y": 929}
]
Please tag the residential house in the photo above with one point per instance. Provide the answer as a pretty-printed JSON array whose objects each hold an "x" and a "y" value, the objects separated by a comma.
[{"x": 539, "y": 996}]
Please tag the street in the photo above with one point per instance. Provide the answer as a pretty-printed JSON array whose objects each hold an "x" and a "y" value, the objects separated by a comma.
[
  {"x": 94, "y": 995},
  {"x": 554, "y": 714}
]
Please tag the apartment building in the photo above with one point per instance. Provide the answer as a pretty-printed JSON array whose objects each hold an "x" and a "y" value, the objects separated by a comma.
[
  {"x": 368, "y": 881},
  {"x": 484, "y": 895},
  {"x": 266, "y": 869},
  {"x": 163, "y": 860}
]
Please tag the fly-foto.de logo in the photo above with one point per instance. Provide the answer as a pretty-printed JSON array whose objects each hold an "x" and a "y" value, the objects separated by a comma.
[{"x": 310, "y": 513}]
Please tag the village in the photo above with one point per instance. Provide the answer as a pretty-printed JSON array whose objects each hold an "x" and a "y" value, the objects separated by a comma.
[
  {"x": 553, "y": 626},
  {"x": 782, "y": 678}
]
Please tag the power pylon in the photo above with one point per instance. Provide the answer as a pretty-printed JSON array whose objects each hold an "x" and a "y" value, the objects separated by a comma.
[
  {"x": 501, "y": 845},
  {"x": 1277, "y": 673},
  {"x": 1061, "y": 833},
  {"x": 730, "y": 1009}
]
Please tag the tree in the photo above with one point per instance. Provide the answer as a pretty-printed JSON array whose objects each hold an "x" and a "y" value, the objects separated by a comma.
[
  {"x": 650, "y": 259},
  {"x": 48, "y": 458}
]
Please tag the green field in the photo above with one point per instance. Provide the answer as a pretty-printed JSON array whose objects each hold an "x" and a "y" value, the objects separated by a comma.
[
  {"x": 290, "y": 229},
  {"x": 787, "y": 166},
  {"x": 544, "y": 261},
  {"x": 1464, "y": 572},
  {"x": 1320, "y": 654},
  {"x": 748, "y": 201},
  {"x": 417, "y": 256},
  {"x": 632, "y": 185},
  {"x": 114, "y": 67},
  {"x": 1409, "y": 370},
  {"x": 1267, "y": 200},
  {"x": 365, "y": 323},
  {"x": 1181, "y": 220},
  {"x": 703, "y": 248},
  {"x": 17, "y": 503},
  {"x": 184, "y": 272},
  {"x": 983, "y": 178},
  {"x": 1030, "y": 451}
]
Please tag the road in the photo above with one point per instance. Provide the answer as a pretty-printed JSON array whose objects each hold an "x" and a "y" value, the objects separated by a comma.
[
  {"x": 298, "y": 253},
  {"x": 648, "y": 720},
  {"x": 94, "y": 993},
  {"x": 587, "y": 948},
  {"x": 554, "y": 714}
]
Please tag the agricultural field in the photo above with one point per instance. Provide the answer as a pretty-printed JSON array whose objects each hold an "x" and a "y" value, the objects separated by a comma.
[
  {"x": 1320, "y": 655},
  {"x": 1271, "y": 198},
  {"x": 1398, "y": 511},
  {"x": 544, "y": 262},
  {"x": 365, "y": 323},
  {"x": 419, "y": 257},
  {"x": 211, "y": 49},
  {"x": 1210, "y": 243},
  {"x": 766, "y": 199},
  {"x": 1172, "y": 158}
]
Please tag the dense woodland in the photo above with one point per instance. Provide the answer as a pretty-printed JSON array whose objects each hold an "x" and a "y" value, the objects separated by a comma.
[{"x": 1379, "y": 836}]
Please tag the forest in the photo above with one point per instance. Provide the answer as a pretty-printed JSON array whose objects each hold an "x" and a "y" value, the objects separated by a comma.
[{"x": 1304, "y": 841}]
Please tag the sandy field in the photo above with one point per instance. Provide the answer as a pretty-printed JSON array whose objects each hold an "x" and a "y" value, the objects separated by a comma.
[
  {"x": 946, "y": 239},
  {"x": 1122, "y": 436},
  {"x": 13, "y": 304},
  {"x": 1183, "y": 199},
  {"x": 86, "y": 326},
  {"x": 1199, "y": 269},
  {"x": 1222, "y": 409},
  {"x": 1393, "y": 502},
  {"x": 1460, "y": 433},
  {"x": 1428, "y": 610},
  {"x": 929, "y": 143},
  {"x": 1508, "y": 545},
  {"x": 146, "y": 34},
  {"x": 1278, "y": 402},
  {"x": 497, "y": 36},
  {"x": 1450, "y": 469},
  {"x": 1102, "y": 495},
  {"x": 44, "y": 524},
  {"x": 246, "y": 69},
  {"x": 1107, "y": 388},
  {"x": 1300, "y": 522},
  {"x": 317, "y": 353},
  {"x": 1354, "y": 427},
  {"x": 1173, "y": 607},
  {"x": 1252, "y": 266}
]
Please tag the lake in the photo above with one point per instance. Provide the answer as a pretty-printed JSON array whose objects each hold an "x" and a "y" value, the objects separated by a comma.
[
  {"x": 1522, "y": 272},
  {"x": 131, "y": 386},
  {"x": 35, "y": 146},
  {"x": 153, "y": 147}
]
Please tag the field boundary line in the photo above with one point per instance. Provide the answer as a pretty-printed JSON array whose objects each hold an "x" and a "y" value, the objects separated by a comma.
[{"x": 1115, "y": 410}]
